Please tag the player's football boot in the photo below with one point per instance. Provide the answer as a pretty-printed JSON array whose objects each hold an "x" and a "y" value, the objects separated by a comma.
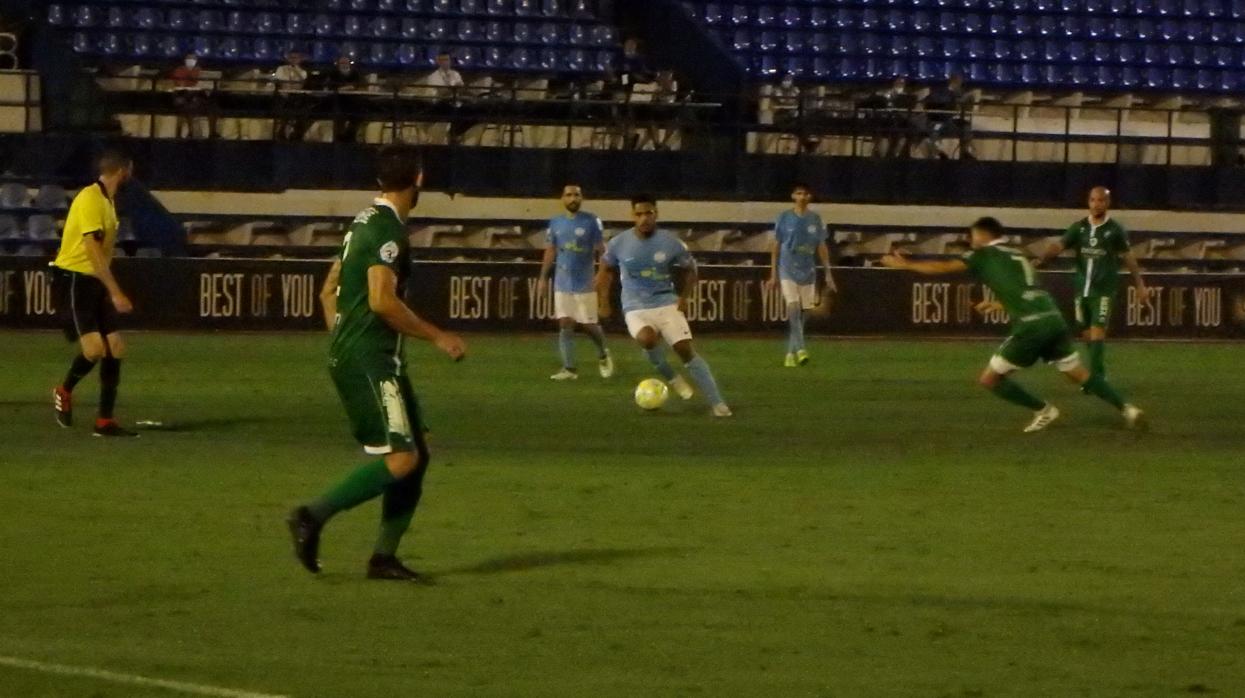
[
  {"x": 801, "y": 357},
  {"x": 564, "y": 375},
  {"x": 606, "y": 365},
  {"x": 1134, "y": 417},
  {"x": 62, "y": 402},
  {"x": 390, "y": 567},
  {"x": 109, "y": 427},
  {"x": 722, "y": 410},
  {"x": 305, "y": 531},
  {"x": 1042, "y": 418},
  {"x": 682, "y": 387},
  {"x": 789, "y": 361}
]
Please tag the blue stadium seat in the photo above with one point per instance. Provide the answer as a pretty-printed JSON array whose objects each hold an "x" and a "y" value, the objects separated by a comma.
[
  {"x": 1176, "y": 55},
  {"x": 819, "y": 43},
  {"x": 1000, "y": 49},
  {"x": 267, "y": 23},
  {"x": 353, "y": 25},
  {"x": 229, "y": 48},
  {"x": 115, "y": 18},
  {"x": 85, "y": 16},
  {"x": 795, "y": 66},
  {"x": 950, "y": 46},
  {"x": 498, "y": 7},
  {"x": 822, "y": 68},
  {"x": 552, "y": 8},
  {"x": 323, "y": 25},
  {"x": 466, "y": 57},
  {"x": 470, "y": 7},
  {"x": 845, "y": 18},
  {"x": 766, "y": 16},
  {"x": 522, "y": 33},
  {"x": 896, "y": 20},
  {"x": 1104, "y": 52},
  {"x": 576, "y": 35},
  {"x": 899, "y": 45},
  {"x": 603, "y": 35},
  {"x": 1002, "y": 73},
  {"x": 1228, "y": 57},
  {"x": 261, "y": 50},
  {"x": 767, "y": 66},
  {"x": 409, "y": 28},
  {"x": 580, "y": 9},
  {"x": 469, "y": 30},
  {"x": 926, "y": 47},
  {"x": 740, "y": 16},
  {"x": 1130, "y": 76},
  {"x": 492, "y": 57},
  {"x": 1027, "y": 50},
  {"x": 606, "y": 60},
  {"x": 1170, "y": 30},
  {"x": 869, "y": 19},
  {"x": 870, "y": 44},
  {"x": 922, "y": 22},
  {"x": 109, "y": 44},
  {"x": 359, "y": 5},
  {"x": 176, "y": 20},
  {"x": 948, "y": 22},
  {"x": 767, "y": 41},
  {"x": 999, "y": 24},
  {"x": 976, "y": 49},
  {"x": 382, "y": 27},
  {"x": 409, "y": 55},
  {"x": 972, "y": 23},
  {"x": 546, "y": 60},
  {"x": 1129, "y": 53},
  {"x": 1153, "y": 54},
  {"x": 1123, "y": 28},
  {"x": 171, "y": 46},
  {"x": 549, "y": 33},
  {"x": 818, "y": 17},
  {"x": 521, "y": 58},
  {"x": 323, "y": 51},
  {"x": 1030, "y": 74},
  {"x": 436, "y": 29},
  {"x": 1023, "y": 26},
  {"x": 442, "y": 7},
  {"x": 1196, "y": 30},
  {"x": 742, "y": 41},
  {"x": 791, "y": 17},
  {"x": 574, "y": 61},
  {"x": 1143, "y": 29},
  {"x": 796, "y": 42},
  {"x": 57, "y": 15},
  {"x": 1212, "y": 8},
  {"x": 390, "y": 6},
  {"x": 1097, "y": 28},
  {"x": 525, "y": 8},
  {"x": 139, "y": 44}
]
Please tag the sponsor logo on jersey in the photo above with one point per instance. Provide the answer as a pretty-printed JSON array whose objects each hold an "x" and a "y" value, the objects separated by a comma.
[{"x": 389, "y": 252}]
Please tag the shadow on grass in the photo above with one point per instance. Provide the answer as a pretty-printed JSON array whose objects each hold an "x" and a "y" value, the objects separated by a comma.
[{"x": 524, "y": 562}]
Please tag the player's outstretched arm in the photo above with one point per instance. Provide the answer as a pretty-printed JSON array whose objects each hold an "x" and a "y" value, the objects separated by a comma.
[
  {"x": 95, "y": 253},
  {"x": 897, "y": 260},
  {"x": 1051, "y": 252},
  {"x": 328, "y": 295},
  {"x": 382, "y": 298}
]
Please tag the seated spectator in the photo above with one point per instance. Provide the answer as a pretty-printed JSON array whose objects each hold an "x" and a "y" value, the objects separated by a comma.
[
  {"x": 448, "y": 83},
  {"x": 191, "y": 97},
  {"x": 945, "y": 109},
  {"x": 898, "y": 126},
  {"x": 663, "y": 117},
  {"x": 343, "y": 78},
  {"x": 291, "y": 107},
  {"x": 635, "y": 68}
]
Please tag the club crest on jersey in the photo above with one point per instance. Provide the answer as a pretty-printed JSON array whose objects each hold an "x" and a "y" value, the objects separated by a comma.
[
  {"x": 812, "y": 228},
  {"x": 389, "y": 251},
  {"x": 659, "y": 257},
  {"x": 580, "y": 232}
]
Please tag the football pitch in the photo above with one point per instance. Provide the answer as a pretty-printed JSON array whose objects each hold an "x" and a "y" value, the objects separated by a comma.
[{"x": 873, "y": 524}]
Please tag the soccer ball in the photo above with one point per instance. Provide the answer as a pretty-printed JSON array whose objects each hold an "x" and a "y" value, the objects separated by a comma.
[{"x": 651, "y": 394}]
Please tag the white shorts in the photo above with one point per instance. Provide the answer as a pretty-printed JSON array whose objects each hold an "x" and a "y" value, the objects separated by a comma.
[
  {"x": 580, "y": 307},
  {"x": 805, "y": 295},
  {"x": 667, "y": 320}
]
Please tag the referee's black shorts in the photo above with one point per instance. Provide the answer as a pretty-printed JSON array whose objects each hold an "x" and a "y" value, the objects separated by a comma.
[{"x": 83, "y": 301}]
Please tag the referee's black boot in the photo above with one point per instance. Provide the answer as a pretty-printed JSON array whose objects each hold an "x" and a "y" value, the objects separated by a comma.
[
  {"x": 390, "y": 567},
  {"x": 305, "y": 531}
]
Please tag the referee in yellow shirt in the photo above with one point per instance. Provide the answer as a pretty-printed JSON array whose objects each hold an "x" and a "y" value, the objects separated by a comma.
[{"x": 89, "y": 296}]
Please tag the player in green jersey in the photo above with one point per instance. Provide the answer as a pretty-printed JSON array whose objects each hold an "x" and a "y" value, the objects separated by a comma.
[
  {"x": 362, "y": 300},
  {"x": 1038, "y": 329},
  {"x": 1099, "y": 243}
]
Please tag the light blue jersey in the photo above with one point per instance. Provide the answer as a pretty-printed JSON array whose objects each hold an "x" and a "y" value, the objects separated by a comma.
[
  {"x": 646, "y": 267},
  {"x": 798, "y": 238},
  {"x": 575, "y": 238}
]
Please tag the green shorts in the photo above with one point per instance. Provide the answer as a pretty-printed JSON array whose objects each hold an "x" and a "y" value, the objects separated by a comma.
[
  {"x": 1094, "y": 311},
  {"x": 381, "y": 405},
  {"x": 1048, "y": 340}
]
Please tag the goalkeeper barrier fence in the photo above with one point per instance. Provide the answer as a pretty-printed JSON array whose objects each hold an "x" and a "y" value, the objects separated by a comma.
[{"x": 283, "y": 295}]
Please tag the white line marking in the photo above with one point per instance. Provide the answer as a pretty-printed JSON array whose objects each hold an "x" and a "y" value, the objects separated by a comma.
[{"x": 89, "y": 672}]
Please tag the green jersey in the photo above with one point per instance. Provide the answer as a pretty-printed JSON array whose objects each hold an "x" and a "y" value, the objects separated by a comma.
[
  {"x": 1007, "y": 272},
  {"x": 1098, "y": 249},
  {"x": 376, "y": 237}
]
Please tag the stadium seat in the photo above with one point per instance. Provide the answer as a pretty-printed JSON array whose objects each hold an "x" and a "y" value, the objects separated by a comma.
[
  {"x": 8, "y": 228},
  {"x": 14, "y": 195},
  {"x": 42, "y": 227},
  {"x": 56, "y": 15},
  {"x": 409, "y": 28}
]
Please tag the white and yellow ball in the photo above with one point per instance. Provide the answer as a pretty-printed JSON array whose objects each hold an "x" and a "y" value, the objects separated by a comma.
[{"x": 651, "y": 394}]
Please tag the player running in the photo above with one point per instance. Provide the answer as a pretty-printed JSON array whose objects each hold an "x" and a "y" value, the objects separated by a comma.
[
  {"x": 90, "y": 297},
  {"x": 362, "y": 300},
  {"x": 799, "y": 242},
  {"x": 1100, "y": 242},
  {"x": 574, "y": 241},
  {"x": 1038, "y": 329},
  {"x": 648, "y": 259}
]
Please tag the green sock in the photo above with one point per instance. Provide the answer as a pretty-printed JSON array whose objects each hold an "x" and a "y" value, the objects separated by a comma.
[
  {"x": 397, "y": 510},
  {"x": 366, "y": 482},
  {"x": 1097, "y": 385},
  {"x": 1097, "y": 350},
  {"x": 1011, "y": 391}
]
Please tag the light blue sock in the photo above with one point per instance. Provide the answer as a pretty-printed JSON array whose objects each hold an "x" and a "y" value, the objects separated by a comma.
[
  {"x": 566, "y": 347},
  {"x": 597, "y": 336},
  {"x": 703, "y": 378},
  {"x": 795, "y": 328},
  {"x": 657, "y": 357}
]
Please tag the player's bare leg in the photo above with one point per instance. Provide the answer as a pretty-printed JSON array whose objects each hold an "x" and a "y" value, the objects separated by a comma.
[
  {"x": 703, "y": 377},
  {"x": 650, "y": 342},
  {"x": 997, "y": 382}
]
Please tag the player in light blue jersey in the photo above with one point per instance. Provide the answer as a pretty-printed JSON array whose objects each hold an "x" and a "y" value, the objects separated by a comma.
[
  {"x": 799, "y": 242},
  {"x": 573, "y": 243},
  {"x": 649, "y": 259}
]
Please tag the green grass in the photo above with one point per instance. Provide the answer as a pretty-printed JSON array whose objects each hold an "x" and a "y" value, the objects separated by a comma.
[{"x": 871, "y": 525}]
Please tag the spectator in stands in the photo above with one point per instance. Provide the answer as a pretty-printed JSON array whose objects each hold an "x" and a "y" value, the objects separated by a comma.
[
  {"x": 291, "y": 107},
  {"x": 663, "y": 114},
  {"x": 899, "y": 124},
  {"x": 190, "y": 97},
  {"x": 789, "y": 112},
  {"x": 945, "y": 109},
  {"x": 448, "y": 83},
  {"x": 343, "y": 78},
  {"x": 635, "y": 68}
]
